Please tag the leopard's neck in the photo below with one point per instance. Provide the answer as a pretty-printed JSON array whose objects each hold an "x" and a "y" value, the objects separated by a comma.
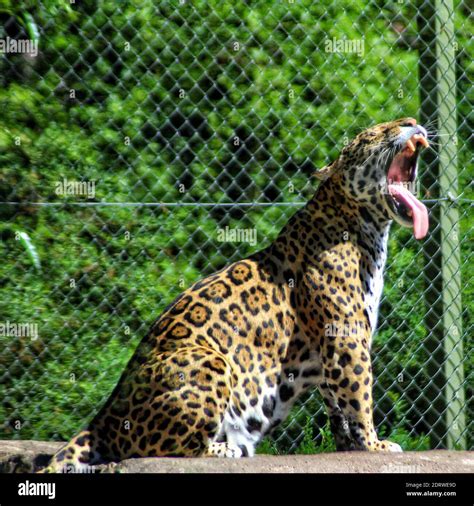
[{"x": 334, "y": 234}]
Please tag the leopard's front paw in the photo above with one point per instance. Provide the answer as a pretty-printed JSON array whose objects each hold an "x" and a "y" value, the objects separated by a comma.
[
  {"x": 388, "y": 446},
  {"x": 223, "y": 450}
]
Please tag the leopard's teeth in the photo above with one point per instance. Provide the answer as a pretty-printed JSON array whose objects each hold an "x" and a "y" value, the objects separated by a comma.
[
  {"x": 411, "y": 146},
  {"x": 421, "y": 139}
]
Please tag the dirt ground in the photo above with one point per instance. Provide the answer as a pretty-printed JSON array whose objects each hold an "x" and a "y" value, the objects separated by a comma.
[{"x": 21, "y": 456}]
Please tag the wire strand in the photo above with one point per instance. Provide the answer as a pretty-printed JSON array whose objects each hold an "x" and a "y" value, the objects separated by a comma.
[{"x": 194, "y": 204}]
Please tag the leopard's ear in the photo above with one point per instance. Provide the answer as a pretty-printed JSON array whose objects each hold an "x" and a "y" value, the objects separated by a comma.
[{"x": 326, "y": 172}]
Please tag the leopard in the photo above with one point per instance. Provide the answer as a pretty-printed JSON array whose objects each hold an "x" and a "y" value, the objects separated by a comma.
[{"x": 223, "y": 365}]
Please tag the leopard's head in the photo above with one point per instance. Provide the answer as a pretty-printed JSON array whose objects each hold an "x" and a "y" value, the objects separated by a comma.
[{"x": 378, "y": 169}]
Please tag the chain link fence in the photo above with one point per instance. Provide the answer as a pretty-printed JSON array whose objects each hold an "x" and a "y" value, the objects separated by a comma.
[{"x": 147, "y": 144}]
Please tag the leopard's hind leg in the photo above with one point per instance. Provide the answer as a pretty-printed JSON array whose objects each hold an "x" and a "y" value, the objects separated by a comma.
[
  {"x": 77, "y": 456},
  {"x": 172, "y": 404}
]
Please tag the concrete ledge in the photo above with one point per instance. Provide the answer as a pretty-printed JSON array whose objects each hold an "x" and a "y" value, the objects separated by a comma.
[{"x": 26, "y": 456}]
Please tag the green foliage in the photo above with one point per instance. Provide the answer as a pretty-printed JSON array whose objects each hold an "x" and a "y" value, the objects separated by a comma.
[
  {"x": 406, "y": 438},
  {"x": 107, "y": 272},
  {"x": 267, "y": 447},
  {"x": 308, "y": 446},
  {"x": 25, "y": 240}
]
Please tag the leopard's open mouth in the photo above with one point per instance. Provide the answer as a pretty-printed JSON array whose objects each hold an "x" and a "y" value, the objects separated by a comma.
[{"x": 403, "y": 205}]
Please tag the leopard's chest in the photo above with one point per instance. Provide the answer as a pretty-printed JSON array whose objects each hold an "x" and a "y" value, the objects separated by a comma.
[{"x": 373, "y": 244}]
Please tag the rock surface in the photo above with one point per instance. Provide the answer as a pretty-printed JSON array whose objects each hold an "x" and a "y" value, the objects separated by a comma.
[{"x": 26, "y": 456}]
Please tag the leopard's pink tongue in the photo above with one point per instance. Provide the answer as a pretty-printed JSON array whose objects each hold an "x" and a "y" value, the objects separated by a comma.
[{"x": 418, "y": 209}]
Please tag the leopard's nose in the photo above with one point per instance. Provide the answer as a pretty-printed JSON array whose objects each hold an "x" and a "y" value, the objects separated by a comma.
[{"x": 421, "y": 130}]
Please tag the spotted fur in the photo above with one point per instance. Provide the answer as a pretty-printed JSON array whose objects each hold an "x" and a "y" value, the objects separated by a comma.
[{"x": 224, "y": 363}]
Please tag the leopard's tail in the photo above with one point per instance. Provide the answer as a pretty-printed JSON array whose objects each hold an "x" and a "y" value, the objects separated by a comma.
[{"x": 77, "y": 456}]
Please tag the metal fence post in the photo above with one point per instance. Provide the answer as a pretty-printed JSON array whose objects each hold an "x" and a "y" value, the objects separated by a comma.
[
  {"x": 434, "y": 422},
  {"x": 445, "y": 415},
  {"x": 449, "y": 224}
]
